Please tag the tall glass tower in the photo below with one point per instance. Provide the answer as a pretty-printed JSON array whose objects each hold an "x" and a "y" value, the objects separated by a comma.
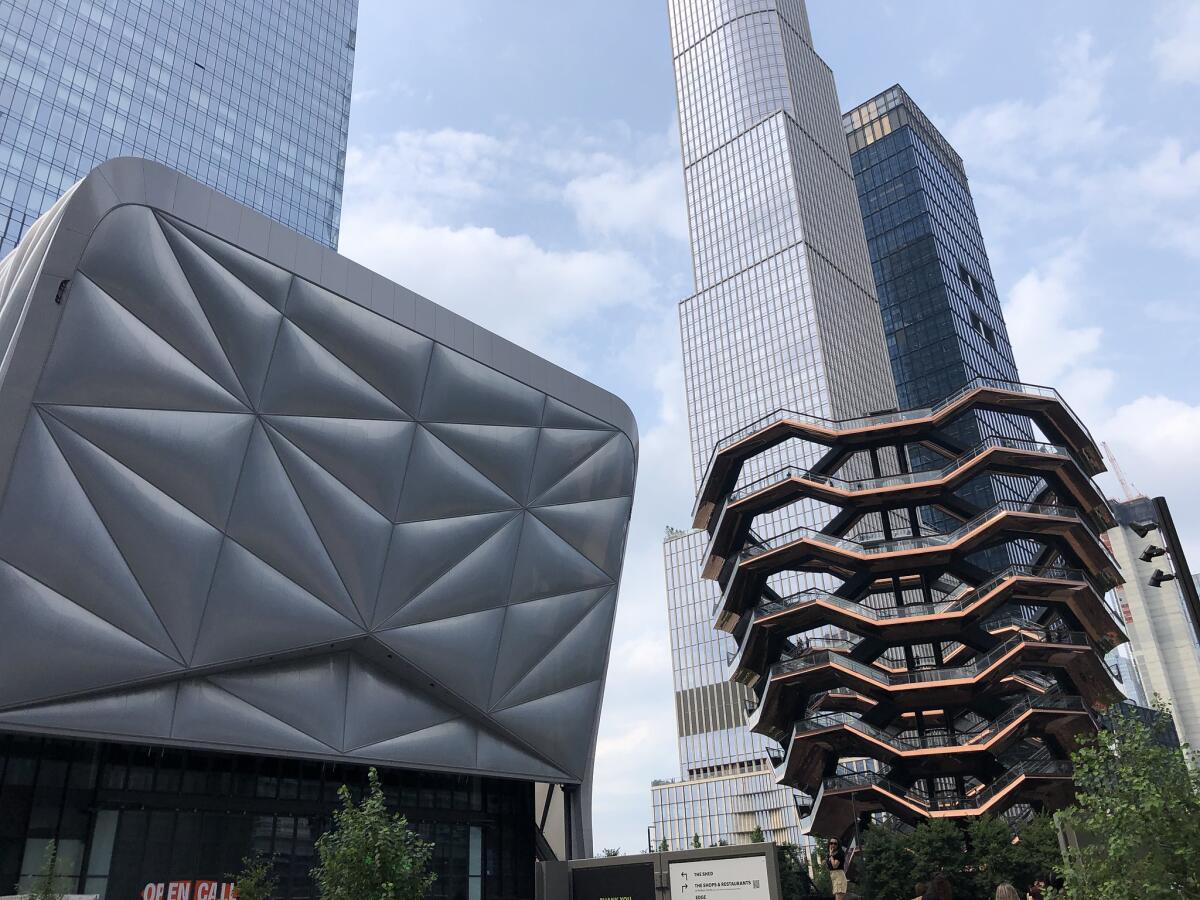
[
  {"x": 941, "y": 312},
  {"x": 784, "y": 315},
  {"x": 251, "y": 98}
]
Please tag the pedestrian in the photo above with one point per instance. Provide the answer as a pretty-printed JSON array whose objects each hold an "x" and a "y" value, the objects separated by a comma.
[
  {"x": 922, "y": 887},
  {"x": 836, "y": 862},
  {"x": 1007, "y": 892},
  {"x": 939, "y": 888},
  {"x": 1037, "y": 890}
]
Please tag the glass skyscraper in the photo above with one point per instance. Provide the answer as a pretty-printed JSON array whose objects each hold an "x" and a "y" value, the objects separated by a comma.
[
  {"x": 251, "y": 98},
  {"x": 941, "y": 312},
  {"x": 784, "y": 315}
]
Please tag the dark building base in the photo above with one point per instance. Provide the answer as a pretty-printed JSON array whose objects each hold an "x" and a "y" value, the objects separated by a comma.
[{"x": 126, "y": 817}]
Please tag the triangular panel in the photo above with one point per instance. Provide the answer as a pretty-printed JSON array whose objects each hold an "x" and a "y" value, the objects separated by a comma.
[
  {"x": 547, "y": 565},
  {"x": 560, "y": 415},
  {"x": 504, "y": 453},
  {"x": 479, "y": 582},
  {"x": 353, "y": 533},
  {"x": 143, "y": 713},
  {"x": 46, "y": 514},
  {"x": 104, "y": 356},
  {"x": 269, "y": 520},
  {"x": 380, "y": 706},
  {"x": 246, "y": 593},
  {"x": 561, "y": 450},
  {"x": 503, "y": 757},
  {"x": 131, "y": 261},
  {"x": 393, "y": 358},
  {"x": 87, "y": 652},
  {"x": 369, "y": 456},
  {"x": 421, "y": 552},
  {"x": 595, "y": 528},
  {"x": 193, "y": 457},
  {"x": 459, "y": 654},
  {"x": 171, "y": 551},
  {"x": 244, "y": 322},
  {"x": 447, "y": 745},
  {"x": 577, "y": 659},
  {"x": 307, "y": 694},
  {"x": 561, "y": 725},
  {"x": 439, "y": 484},
  {"x": 268, "y": 281},
  {"x": 463, "y": 390},
  {"x": 305, "y": 379},
  {"x": 531, "y": 629},
  {"x": 606, "y": 473},
  {"x": 206, "y": 714}
]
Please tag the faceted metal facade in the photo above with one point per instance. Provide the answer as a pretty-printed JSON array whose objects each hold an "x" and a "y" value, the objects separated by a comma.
[
  {"x": 250, "y": 97},
  {"x": 259, "y": 498}
]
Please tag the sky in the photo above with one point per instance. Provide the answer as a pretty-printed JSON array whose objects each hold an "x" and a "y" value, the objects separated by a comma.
[{"x": 518, "y": 162}]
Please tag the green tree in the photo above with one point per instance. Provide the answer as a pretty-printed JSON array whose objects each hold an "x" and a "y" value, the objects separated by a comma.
[
  {"x": 44, "y": 886},
  {"x": 612, "y": 851},
  {"x": 371, "y": 854},
  {"x": 794, "y": 881},
  {"x": 976, "y": 858},
  {"x": 1136, "y": 815},
  {"x": 257, "y": 879},
  {"x": 821, "y": 877},
  {"x": 756, "y": 836},
  {"x": 663, "y": 846},
  {"x": 696, "y": 845}
]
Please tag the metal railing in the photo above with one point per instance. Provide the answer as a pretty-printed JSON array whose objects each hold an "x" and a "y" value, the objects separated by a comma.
[
  {"x": 908, "y": 543},
  {"x": 859, "y": 422},
  {"x": 858, "y": 485},
  {"x": 1051, "y": 703},
  {"x": 961, "y": 598},
  {"x": 925, "y": 676},
  {"x": 1041, "y": 764}
]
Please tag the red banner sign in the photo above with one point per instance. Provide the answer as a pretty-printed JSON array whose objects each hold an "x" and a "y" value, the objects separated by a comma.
[{"x": 190, "y": 890}]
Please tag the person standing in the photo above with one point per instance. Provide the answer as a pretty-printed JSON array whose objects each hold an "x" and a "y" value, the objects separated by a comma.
[
  {"x": 1007, "y": 892},
  {"x": 836, "y": 861}
]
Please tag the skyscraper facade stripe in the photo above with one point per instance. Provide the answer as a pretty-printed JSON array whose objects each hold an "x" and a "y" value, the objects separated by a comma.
[
  {"x": 784, "y": 315},
  {"x": 250, "y": 98}
]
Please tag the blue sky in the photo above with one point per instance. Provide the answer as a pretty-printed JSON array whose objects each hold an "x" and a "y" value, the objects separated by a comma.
[{"x": 518, "y": 162}]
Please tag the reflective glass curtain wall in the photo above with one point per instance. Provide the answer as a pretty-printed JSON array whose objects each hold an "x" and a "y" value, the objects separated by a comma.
[
  {"x": 784, "y": 316},
  {"x": 127, "y": 816},
  {"x": 941, "y": 313},
  {"x": 251, "y": 98}
]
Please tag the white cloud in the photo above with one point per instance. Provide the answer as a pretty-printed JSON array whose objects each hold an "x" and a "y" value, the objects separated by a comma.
[
  {"x": 1044, "y": 313},
  {"x": 507, "y": 283},
  {"x": 1015, "y": 136},
  {"x": 639, "y": 202},
  {"x": 1175, "y": 52}
]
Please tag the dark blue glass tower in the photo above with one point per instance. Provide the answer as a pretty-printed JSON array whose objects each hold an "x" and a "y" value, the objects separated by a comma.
[
  {"x": 941, "y": 314},
  {"x": 251, "y": 98}
]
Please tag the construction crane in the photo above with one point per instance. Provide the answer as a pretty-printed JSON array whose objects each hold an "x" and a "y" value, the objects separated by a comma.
[{"x": 1131, "y": 492}]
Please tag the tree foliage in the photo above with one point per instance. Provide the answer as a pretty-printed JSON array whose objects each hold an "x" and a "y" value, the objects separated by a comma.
[
  {"x": 976, "y": 859},
  {"x": 257, "y": 879},
  {"x": 756, "y": 836},
  {"x": 44, "y": 886},
  {"x": 663, "y": 846},
  {"x": 371, "y": 854},
  {"x": 612, "y": 851},
  {"x": 1136, "y": 815},
  {"x": 821, "y": 877},
  {"x": 696, "y": 842},
  {"x": 794, "y": 882}
]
